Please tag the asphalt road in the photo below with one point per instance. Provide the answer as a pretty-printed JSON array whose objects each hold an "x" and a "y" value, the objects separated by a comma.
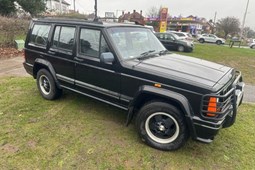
[{"x": 14, "y": 67}]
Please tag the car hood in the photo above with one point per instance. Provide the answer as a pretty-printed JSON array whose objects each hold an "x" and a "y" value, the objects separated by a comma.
[
  {"x": 188, "y": 69},
  {"x": 222, "y": 39}
]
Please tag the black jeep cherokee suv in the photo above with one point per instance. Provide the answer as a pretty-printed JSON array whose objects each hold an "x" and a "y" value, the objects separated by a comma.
[{"x": 170, "y": 96}]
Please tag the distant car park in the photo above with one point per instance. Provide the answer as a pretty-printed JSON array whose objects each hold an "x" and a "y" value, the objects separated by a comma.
[
  {"x": 210, "y": 38},
  {"x": 173, "y": 42}
]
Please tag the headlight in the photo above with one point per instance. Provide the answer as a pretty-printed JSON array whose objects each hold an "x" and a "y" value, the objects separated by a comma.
[{"x": 189, "y": 43}]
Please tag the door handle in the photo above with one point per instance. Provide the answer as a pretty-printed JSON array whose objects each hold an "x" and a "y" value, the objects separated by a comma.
[{"x": 78, "y": 59}]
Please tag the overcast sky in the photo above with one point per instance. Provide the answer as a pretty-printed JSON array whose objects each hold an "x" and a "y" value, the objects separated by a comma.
[{"x": 200, "y": 8}]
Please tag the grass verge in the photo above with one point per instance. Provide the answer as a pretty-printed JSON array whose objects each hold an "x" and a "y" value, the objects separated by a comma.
[
  {"x": 76, "y": 132},
  {"x": 242, "y": 59}
]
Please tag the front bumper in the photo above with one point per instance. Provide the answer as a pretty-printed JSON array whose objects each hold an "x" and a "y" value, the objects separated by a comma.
[{"x": 206, "y": 129}]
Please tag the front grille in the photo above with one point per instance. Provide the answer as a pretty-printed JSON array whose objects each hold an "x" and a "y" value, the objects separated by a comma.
[{"x": 223, "y": 105}]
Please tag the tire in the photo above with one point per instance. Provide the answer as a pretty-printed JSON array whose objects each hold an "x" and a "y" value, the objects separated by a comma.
[
  {"x": 162, "y": 126},
  {"x": 253, "y": 47},
  {"x": 180, "y": 48},
  {"x": 47, "y": 85},
  {"x": 201, "y": 40},
  {"x": 218, "y": 42}
]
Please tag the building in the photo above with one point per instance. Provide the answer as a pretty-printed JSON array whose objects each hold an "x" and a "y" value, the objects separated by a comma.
[
  {"x": 55, "y": 6},
  {"x": 192, "y": 24},
  {"x": 132, "y": 17}
]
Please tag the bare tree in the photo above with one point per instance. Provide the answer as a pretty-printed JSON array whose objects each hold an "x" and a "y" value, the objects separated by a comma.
[
  {"x": 248, "y": 32},
  {"x": 229, "y": 25},
  {"x": 153, "y": 12}
]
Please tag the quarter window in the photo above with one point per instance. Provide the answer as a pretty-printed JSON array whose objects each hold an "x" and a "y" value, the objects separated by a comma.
[
  {"x": 104, "y": 47},
  {"x": 39, "y": 35},
  {"x": 64, "y": 37}
]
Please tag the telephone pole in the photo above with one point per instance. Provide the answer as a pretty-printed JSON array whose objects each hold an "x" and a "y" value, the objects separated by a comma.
[
  {"x": 215, "y": 15},
  {"x": 60, "y": 6},
  {"x": 214, "y": 22},
  {"x": 74, "y": 6}
]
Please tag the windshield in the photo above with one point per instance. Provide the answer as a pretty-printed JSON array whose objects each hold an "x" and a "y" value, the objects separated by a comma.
[{"x": 132, "y": 42}]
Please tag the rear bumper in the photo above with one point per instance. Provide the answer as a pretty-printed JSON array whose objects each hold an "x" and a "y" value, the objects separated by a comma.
[{"x": 28, "y": 67}]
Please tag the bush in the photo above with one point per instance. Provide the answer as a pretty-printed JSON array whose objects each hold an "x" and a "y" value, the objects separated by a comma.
[
  {"x": 72, "y": 15},
  {"x": 11, "y": 29}
]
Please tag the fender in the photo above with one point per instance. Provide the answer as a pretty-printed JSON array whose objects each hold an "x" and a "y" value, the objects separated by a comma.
[
  {"x": 47, "y": 64},
  {"x": 164, "y": 93}
]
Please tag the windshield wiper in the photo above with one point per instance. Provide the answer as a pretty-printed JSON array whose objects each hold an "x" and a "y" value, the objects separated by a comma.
[{"x": 145, "y": 54}]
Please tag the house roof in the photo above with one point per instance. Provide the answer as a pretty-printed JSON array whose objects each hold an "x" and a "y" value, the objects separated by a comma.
[
  {"x": 134, "y": 15},
  {"x": 63, "y": 2}
]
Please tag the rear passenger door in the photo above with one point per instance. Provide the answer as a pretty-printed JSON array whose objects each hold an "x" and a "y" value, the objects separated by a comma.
[
  {"x": 61, "y": 53},
  {"x": 93, "y": 77}
]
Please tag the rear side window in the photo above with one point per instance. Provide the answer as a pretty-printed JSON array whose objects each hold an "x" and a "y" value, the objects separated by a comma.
[
  {"x": 64, "y": 37},
  {"x": 39, "y": 35},
  {"x": 180, "y": 34}
]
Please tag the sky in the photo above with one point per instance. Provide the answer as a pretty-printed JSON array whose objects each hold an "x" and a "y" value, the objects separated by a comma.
[{"x": 200, "y": 8}]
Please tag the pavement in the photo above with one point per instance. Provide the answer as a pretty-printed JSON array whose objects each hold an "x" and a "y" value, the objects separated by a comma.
[{"x": 14, "y": 67}]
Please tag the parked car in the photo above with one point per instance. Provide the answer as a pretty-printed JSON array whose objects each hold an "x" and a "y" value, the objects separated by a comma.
[
  {"x": 183, "y": 35},
  {"x": 173, "y": 42},
  {"x": 171, "y": 96},
  {"x": 210, "y": 38},
  {"x": 252, "y": 45}
]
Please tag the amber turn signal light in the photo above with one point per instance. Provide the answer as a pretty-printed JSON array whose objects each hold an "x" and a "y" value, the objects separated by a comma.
[{"x": 212, "y": 107}]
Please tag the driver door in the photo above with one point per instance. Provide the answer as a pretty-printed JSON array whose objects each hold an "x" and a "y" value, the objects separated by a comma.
[
  {"x": 97, "y": 79},
  {"x": 212, "y": 38}
]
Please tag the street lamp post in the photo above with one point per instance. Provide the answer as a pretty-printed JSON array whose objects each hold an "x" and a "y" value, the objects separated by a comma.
[
  {"x": 96, "y": 19},
  {"x": 244, "y": 17}
]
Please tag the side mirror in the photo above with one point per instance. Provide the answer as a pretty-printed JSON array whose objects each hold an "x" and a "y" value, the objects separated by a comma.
[{"x": 106, "y": 57}]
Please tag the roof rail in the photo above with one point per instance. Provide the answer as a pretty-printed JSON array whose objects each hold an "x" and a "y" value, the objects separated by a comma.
[{"x": 68, "y": 19}]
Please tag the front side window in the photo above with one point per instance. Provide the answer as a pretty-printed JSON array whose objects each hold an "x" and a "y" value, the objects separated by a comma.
[
  {"x": 39, "y": 35},
  {"x": 64, "y": 37},
  {"x": 89, "y": 42},
  {"x": 169, "y": 37},
  {"x": 180, "y": 34}
]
